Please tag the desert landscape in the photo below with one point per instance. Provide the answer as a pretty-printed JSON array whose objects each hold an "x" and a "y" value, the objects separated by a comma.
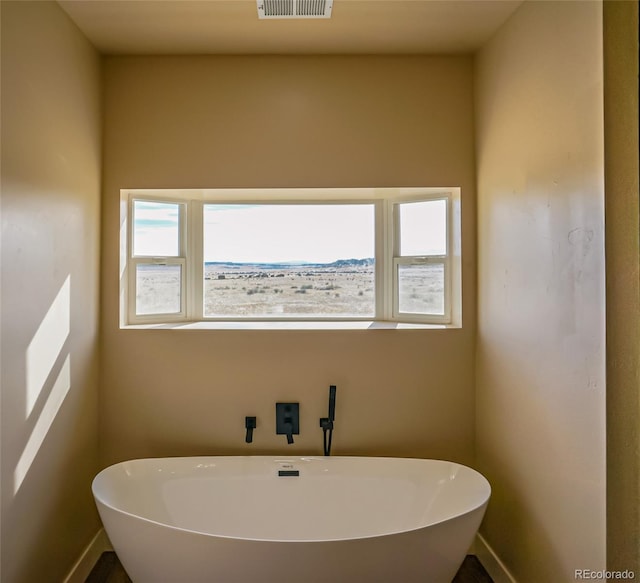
[{"x": 344, "y": 289}]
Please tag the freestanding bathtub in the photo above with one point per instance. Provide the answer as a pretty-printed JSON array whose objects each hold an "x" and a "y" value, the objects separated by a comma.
[{"x": 290, "y": 519}]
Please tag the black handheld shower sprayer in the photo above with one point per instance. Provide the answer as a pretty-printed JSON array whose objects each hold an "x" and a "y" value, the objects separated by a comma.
[
  {"x": 332, "y": 403},
  {"x": 327, "y": 422}
]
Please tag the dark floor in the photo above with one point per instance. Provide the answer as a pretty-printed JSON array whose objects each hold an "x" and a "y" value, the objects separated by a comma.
[
  {"x": 109, "y": 570},
  {"x": 472, "y": 571}
]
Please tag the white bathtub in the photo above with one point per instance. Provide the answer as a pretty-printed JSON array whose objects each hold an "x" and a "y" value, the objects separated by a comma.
[{"x": 341, "y": 519}]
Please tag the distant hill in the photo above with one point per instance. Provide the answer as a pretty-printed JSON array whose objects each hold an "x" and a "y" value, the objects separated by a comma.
[
  {"x": 367, "y": 262},
  {"x": 352, "y": 262}
]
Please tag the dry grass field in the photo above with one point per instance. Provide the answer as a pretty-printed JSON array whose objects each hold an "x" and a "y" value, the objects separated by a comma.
[
  {"x": 241, "y": 291},
  {"x": 289, "y": 291}
]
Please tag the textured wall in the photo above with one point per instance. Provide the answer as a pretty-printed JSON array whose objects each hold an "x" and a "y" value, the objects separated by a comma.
[
  {"x": 51, "y": 152},
  {"x": 541, "y": 328}
]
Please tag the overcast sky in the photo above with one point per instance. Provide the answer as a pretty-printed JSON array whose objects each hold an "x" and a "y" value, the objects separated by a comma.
[{"x": 314, "y": 233}]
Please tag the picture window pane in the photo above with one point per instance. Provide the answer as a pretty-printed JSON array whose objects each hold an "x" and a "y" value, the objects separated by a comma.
[{"x": 285, "y": 260}]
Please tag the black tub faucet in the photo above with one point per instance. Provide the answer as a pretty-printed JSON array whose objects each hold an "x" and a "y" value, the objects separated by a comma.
[
  {"x": 288, "y": 420},
  {"x": 288, "y": 427},
  {"x": 249, "y": 424}
]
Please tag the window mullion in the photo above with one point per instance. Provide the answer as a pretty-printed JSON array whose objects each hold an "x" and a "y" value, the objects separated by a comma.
[
  {"x": 389, "y": 234},
  {"x": 381, "y": 259},
  {"x": 447, "y": 288},
  {"x": 195, "y": 260},
  {"x": 131, "y": 290}
]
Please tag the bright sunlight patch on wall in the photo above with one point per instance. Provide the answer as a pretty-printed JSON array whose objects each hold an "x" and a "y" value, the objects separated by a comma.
[
  {"x": 46, "y": 344},
  {"x": 45, "y": 421},
  {"x": 42, "y": 354}
]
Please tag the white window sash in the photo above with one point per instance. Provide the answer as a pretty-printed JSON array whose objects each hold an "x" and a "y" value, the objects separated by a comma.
[
  {"x": 180, "y": 259},
  {"x": 135, "y": 318},
  {"x": 443, "y": 318},
  {"x": 397, "y": 260}
]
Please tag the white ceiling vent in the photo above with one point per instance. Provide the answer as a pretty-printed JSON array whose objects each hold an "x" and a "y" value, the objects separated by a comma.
[{"x": 294, "y": 8}]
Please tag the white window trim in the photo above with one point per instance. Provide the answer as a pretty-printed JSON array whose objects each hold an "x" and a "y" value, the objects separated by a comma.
[
  {"x": 180, "y": 259},
  {"x": 398, "y": 260},
  {"x": 386, "y": 245}
]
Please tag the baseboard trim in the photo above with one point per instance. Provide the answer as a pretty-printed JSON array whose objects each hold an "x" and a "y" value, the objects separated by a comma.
[
  {"x": 491, "y": 562},
  {"x": 89, "y": 557}
]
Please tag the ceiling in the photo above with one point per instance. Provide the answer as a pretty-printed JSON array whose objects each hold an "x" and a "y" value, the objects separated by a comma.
[{"x": 178, "y": 27}]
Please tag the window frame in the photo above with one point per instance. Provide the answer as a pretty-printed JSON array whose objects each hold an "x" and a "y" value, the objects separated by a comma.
[
  {"x": 424, "y": 259},
  {"x": 133, "y": 261},
  {"x": 386, "y": 203}
]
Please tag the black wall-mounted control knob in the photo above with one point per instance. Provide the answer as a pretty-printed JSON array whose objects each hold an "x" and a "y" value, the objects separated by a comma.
[{"x": 288, "y": 420}]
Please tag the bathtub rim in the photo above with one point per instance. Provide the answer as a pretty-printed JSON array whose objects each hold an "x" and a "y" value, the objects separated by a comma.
[{"x": 470, "y": 510}]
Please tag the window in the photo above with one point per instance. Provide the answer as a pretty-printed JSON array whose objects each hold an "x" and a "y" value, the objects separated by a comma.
[
  {"x": 420, "y": 263},
  {"x": 157, "y": 275},
  {"x": 347, "y": 254}
]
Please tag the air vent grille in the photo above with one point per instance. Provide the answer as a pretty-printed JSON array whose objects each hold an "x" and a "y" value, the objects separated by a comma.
[{"x": 294, "y": 8}]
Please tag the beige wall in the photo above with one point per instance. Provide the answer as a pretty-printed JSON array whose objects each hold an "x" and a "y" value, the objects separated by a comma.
[
  {"x": 50, "y": 256},
  {"x": 623, "y": 284},
  {"x": 540, "y": 349},
  {"x": 331, "y": 121},
  {"x": 285, "y": 122}
]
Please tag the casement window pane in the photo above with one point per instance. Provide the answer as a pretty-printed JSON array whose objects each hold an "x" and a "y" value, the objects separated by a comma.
[
  {"x": 423, "y": 228},
  {"x": 158, "y": 289},
  {"x": 289, "y": 260},
  {"x": 421, "y": 289},
  {"x": 156, "y": 231}
]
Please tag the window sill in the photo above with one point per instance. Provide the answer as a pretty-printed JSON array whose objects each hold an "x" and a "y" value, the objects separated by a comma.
[{"x": 291, "y": 325}]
